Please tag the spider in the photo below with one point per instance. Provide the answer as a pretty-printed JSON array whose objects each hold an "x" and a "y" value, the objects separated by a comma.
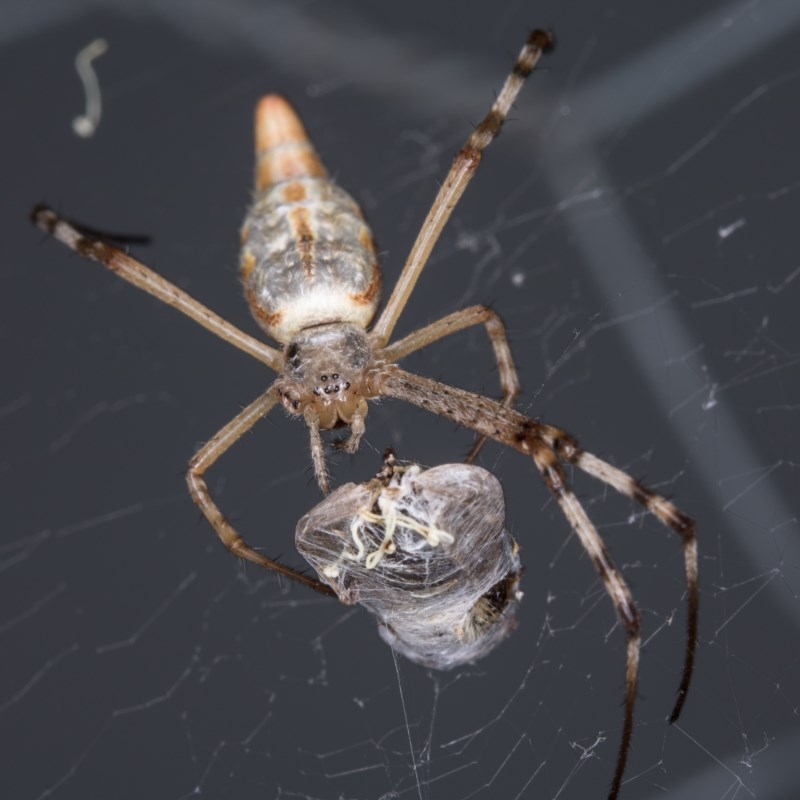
[{"x": 310, "y": 274}]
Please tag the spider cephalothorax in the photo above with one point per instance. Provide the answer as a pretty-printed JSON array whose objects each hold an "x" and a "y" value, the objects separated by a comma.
[{"x": 325, "y": 379}]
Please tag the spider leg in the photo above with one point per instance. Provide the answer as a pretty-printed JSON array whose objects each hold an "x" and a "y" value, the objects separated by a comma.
[
  {"x": 568, "y": 449},
  {"x": 133, "y": 271},
  {"x": 457, "y": 180},
  {"x": 553, "y": 474},
  {"x": 459, "y": 321},
  {"x": 546, "y": 445},
  {"x": 205, "y": 457}
]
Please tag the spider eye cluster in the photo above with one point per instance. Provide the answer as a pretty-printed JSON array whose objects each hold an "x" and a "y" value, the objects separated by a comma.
[
  {"x": 426, "y": 552},
  {"x": 324, "y": 369},
  {"x": 331, "y": 384}
]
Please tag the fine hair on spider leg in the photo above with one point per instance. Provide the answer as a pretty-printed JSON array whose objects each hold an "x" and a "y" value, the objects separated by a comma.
[
  {"x": 310, "y": 272},
  {"x": 550, "y": 448},
  {"x": 426, "y": 552}
]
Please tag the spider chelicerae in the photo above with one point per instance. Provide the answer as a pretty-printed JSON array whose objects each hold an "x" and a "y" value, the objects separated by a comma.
[{"x": 310, "y": 273}]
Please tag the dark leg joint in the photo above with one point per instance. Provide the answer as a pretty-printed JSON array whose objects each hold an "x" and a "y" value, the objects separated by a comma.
[
  {"x": 43, "y": 218},
  {"x": 544, "y": 40}
]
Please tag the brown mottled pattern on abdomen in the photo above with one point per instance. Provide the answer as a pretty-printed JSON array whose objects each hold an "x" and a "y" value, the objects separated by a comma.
[{"x": 308, "y": 258}]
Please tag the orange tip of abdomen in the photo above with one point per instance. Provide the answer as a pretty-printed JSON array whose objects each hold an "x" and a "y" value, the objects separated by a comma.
[
  {"x": 277, "y": 123},
  {"x": 283, "y": 149}
]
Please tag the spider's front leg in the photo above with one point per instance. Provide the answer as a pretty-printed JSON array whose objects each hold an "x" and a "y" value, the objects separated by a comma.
[
  {"x": 83, "y": 241},
  {"x": 568, "y": 449},
  {"x": 617, "y": 588},
  {"x": 457, "y": 180},
  {"x": 548, "y": 446},
  {"x": 206, "y": 457},
  {"x": 459, "y": 321}
]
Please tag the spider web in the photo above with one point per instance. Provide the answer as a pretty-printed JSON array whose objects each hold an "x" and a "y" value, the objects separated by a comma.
[{"x": 632, "y": 225}]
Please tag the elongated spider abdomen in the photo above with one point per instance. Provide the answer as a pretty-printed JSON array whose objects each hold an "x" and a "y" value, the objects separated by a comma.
[
  {"x": 308, "y": 256},
  {"x": 427, "y": 553}
]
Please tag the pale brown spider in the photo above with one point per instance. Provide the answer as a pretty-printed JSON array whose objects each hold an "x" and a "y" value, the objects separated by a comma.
[{"x": 311, "y": 277}]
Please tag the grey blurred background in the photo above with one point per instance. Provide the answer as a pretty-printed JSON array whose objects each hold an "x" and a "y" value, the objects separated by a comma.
[{"x": 635, "y": 227}]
